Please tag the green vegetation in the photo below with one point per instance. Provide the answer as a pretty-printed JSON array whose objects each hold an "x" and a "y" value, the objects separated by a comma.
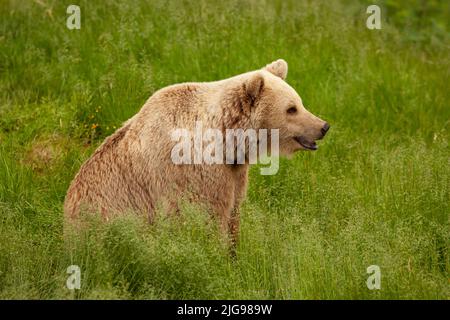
[{"x": 376, "y": 191}]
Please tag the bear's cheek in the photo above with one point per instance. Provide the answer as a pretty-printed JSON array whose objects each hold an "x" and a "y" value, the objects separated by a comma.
[{"x": 288, "y": 146}]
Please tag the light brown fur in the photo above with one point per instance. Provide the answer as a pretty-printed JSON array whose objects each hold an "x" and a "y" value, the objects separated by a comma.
[{"x": 133, "y": 170}]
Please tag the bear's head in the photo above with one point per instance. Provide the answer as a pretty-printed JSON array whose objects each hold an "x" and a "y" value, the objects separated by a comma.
[{"x": 274, "y": 104}]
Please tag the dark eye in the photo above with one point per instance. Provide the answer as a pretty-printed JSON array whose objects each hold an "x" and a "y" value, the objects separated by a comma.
[{"x": 292, "y": 110}]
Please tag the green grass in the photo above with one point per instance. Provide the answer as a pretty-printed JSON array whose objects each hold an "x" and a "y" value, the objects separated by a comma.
[{"x": 376, "y": 192}]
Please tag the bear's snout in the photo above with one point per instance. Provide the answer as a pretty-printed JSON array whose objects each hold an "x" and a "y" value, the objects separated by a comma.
[{"x": 324, "y": 129}]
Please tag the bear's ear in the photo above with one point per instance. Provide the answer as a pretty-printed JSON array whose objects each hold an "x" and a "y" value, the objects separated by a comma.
[
  {"x": 278, "y": 68},
  {"x": 253, "y": 88}
]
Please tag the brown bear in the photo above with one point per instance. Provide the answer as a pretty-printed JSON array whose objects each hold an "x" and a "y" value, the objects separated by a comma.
[{"x": 134, "y": 170}]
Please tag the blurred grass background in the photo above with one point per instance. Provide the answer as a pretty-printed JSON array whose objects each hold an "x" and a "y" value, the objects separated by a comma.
[{"x": 376, "y": 192}]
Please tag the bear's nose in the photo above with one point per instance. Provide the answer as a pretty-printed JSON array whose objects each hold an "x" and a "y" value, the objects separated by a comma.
[{"x": 325, "y": 128}]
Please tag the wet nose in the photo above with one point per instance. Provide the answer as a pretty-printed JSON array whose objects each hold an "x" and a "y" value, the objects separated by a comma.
[{"x": 325, "y": 128}]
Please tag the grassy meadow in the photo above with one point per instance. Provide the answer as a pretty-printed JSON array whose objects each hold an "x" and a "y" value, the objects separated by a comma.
[{"x": 377, "y": 192}]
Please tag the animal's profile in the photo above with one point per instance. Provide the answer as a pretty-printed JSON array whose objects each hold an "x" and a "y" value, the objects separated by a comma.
[{"x": 133, "y": 169}]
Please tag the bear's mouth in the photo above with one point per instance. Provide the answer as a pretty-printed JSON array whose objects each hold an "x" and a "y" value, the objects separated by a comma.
[{"x": 305, "y": 143}]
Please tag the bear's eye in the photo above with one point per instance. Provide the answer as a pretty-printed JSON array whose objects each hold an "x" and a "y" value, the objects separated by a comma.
[{"x": 292, "y": 110}]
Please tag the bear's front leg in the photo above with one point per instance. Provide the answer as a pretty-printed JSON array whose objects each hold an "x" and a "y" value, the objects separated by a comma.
[{"x": 229, "y": 226}]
